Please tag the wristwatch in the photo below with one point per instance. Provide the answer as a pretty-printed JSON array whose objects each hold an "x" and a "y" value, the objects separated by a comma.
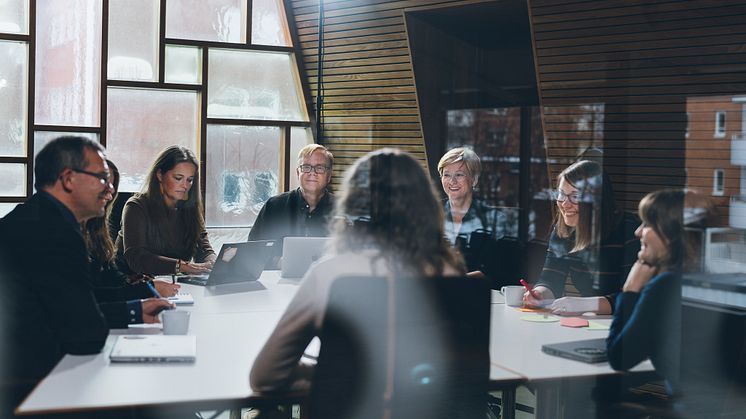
[{"x": 178, "y": 267}]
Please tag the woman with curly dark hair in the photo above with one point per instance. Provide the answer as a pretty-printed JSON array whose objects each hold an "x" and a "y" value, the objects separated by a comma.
[
  {"x": 163, "y": 230},
  {"x": 389, "y": 223}
]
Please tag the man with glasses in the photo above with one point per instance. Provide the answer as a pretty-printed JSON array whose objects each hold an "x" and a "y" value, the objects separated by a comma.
[
  {"x": 47, "y": 306},
  {"x": 304, "y": 211}
]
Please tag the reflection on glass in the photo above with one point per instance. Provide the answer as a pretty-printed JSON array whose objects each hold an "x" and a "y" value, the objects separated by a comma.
[
  {"x": 14, "y": 16},
  {"x": 183, "y": 64},
  {"x": 6, "y": 207},
  {"x": 299, "y": 138},
  {"x": 269, "y": 24},
  {"x": 12, "y": 179},
  {"x": 133, "y": 40},
  {"x": 68, "y": 62},
  {"x": 253, "y": 85},
  {"x": 243, "y": 171},
  {"x": 207, "y": 20},
  {"x": 13, "y": 98},
  {"x": 142, "y": 122}
]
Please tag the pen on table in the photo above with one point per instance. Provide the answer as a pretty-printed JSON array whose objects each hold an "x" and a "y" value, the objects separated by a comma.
[
  {"x": 153, "y": 290},
  {"x": 529, "y": 289}
]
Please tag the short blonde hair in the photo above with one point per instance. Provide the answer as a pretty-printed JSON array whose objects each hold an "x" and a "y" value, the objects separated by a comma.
[
  {"x": 462, "y": 154},
  {"x": 312, "y": 148}
]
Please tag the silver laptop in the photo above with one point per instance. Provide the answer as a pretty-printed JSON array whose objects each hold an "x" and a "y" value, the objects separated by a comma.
[
  {"x": 236, "y": 262},
  {"x": 298, "y": 253},
  {"x": 154, "y": 348},
  {"x": 590, "y": 350}
]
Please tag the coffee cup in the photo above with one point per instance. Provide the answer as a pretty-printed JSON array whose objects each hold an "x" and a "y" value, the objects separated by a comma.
[
  {"x": 513, "y": 295},
  {"x": 175, "y": 322}
]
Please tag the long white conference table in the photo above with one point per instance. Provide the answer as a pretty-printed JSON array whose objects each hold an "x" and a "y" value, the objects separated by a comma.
[{"x": 232, "y": 322}]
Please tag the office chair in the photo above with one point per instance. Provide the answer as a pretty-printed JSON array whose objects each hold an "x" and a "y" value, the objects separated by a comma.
[{"x": 414, "y": 348}]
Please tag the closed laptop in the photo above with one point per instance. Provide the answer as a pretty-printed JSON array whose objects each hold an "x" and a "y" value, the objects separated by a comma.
[
  {"x": 591, "y": 351},
  {"x": 154, "y": 348}
]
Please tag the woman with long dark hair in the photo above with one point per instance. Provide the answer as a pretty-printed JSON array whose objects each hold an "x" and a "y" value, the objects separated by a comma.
[
  {"x": 163, "y": 230},
  {"x": 388, "y": 223}
]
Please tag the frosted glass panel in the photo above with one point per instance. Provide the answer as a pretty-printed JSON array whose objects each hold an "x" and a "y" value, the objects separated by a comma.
[
  {"x": 142, "y": 122},
  {"x": 68, "y": 62},
  {"x": 206, "y": 20},
  {"x": 42, "y": 138},
  {"x": 183, "y": 64},
  {"x": 253, "y": 85},
  {"x": 12, "y": 179},
  {"x": 269, "y": 24},
  {"x": 133, "y": 40},
  {"x": 13, "y": 98},
  {"x": 6, "y": 207},
  {"x": 243, "y": 171},
  {"x": 14, "y": 16},
  {"x": 299, "y": 138}
]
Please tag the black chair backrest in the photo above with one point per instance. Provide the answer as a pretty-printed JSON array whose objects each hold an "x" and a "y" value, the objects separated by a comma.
[{"x": 437, "y": 330}]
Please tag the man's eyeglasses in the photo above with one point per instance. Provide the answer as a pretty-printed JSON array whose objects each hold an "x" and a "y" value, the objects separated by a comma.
[
  {"x": 103, "y": 178},
  {"x": 560, "y": 196},
  {"x": 319, "y": 169}
]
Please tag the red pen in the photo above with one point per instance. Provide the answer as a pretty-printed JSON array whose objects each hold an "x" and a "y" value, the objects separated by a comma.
[{"x": 529, "y": 289}]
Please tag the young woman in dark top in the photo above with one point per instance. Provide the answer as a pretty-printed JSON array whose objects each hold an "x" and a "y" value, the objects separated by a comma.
[
  {"x": 647, "y": 320},
  {"x": 163, "y": 230},
  {"x": 592, "y": 244},
  {"x": 111, "y": 284}
]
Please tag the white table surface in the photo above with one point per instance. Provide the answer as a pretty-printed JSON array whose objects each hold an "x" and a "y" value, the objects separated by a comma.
[{"x": 232, "y": 322}]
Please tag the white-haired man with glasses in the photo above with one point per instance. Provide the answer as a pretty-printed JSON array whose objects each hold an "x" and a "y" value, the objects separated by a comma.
[{"x": 304, "y": 211}]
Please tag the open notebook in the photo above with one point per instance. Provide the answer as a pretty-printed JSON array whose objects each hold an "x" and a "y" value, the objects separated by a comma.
[{"x": 154, "y": 348}]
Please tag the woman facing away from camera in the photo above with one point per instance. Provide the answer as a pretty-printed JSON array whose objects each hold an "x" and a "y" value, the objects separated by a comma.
[
  {"x": 163, "y": 230},
  {"x": 388, "y": 223},
  {"x": 592, "y": 244}
]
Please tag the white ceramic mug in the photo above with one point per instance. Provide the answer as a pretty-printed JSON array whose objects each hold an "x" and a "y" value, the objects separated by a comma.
[
  {"x": 513, "y": 294},
  {"x": 175, "y": 322}
]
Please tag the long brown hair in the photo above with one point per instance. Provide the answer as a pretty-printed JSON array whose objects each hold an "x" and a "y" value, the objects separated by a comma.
[
  {"x": 388, "y": 201},
  {"x": 190, "y": 211},
  {"x": 663, "y": 210},
  {"x": 597, "y": 211},
  {"x": 96, "y": 230}
]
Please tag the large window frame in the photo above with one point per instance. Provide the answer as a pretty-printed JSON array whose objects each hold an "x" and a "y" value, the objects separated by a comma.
[{"x": 160, "y": 84}]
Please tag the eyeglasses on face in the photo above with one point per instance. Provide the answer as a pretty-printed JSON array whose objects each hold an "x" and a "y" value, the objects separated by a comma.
[
  {"x": 102, "y": 177},
  {"x": 458, "y": 176},
  {"x": 319, "y": 168},
  {"x": 560, "y": 196}
]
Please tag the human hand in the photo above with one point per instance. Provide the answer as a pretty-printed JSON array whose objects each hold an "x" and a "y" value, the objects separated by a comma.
[
  {"x": 475, "y": 274},
  {"x": 547, "y": 297},
  {"x": 574, "y": 305},
  {"x": 166, "y": 289},
  {"x": 640, "y": 274},
  {"x": 151, "y": 307},
  {"x": 195, "y": 268}
]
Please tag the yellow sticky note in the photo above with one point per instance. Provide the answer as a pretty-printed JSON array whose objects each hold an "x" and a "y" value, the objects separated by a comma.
[{"x": 596, "y": 326}]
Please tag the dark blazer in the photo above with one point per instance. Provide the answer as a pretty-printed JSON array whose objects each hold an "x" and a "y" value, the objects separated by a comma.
[{"x": 47, "y": 302}]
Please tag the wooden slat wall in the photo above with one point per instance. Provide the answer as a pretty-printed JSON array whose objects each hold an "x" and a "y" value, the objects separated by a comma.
[
  {"x": 370, "y": 100},
  {"x": 622, "y": 75}
]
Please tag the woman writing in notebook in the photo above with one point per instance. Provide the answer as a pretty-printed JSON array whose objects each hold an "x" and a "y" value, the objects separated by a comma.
[
  {"x": 163, "y": 231},
  {"x": 592, "y": 244}
]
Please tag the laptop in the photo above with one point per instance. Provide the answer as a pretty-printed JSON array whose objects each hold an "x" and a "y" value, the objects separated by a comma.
[
  {"x": 298, "y": 253},
  {"x": 591, "y": 351},
  {"x": 154, "y": 348},
  {"x": 236, "y": 262}
]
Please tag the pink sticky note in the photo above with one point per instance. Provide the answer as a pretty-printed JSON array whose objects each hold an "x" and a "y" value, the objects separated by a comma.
[{"x": 573, "y": 322}]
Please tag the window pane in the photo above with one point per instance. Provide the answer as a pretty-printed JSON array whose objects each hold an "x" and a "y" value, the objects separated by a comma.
[
  {"x": 6, "y": 207},
  {"x": 183, "y": 64},
  {"x": 41, "y": 138},
  {"x": 68, "y": 62},
  {"x": 243, "y": 171},
  {"x": 253, "y": 85},
  {"x": 12, "y": 179},
  {"x": 13, "y": 98},
  {"x": 133, "y": 40},
  {"x": 269, "y": 24},
  {"x": 299, "y": 138},
  {"x": 142, "y": 122},
  {"x": 206, "y": 20},
  {"x": 14, "y": 16}
]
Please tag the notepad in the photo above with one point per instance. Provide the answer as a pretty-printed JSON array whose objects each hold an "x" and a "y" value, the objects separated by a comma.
[
  {"x": 182, "y": 298},
  {"x": 538, "y": 318},
  {"x": 154, "y": 348},
  {"x": 597, "y": 326},
  {"x": 573, "y": 322}
]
